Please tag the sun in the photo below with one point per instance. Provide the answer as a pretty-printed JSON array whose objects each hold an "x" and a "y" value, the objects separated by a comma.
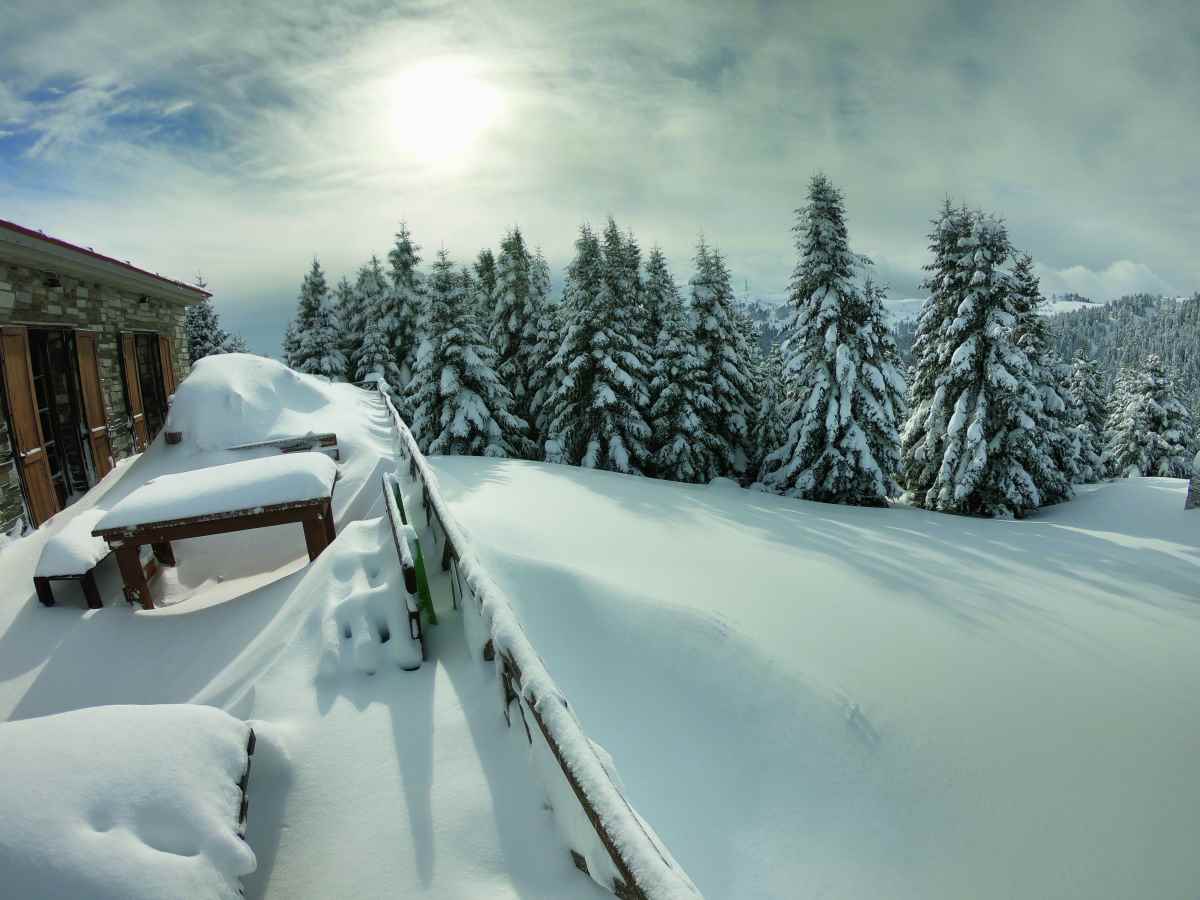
[{"x": 441, "y": 109}]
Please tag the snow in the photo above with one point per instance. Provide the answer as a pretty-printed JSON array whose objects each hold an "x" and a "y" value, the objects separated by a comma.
[
  {"x": 255, "y": 483},
  {"x": 123, "y": 802},
  {"x": 393, "y": 784},
  {"x": 72, "y": 550},
  {"x": 812, "y": 700}
]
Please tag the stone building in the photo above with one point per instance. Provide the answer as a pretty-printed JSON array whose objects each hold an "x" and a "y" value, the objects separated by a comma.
[{"x": 91, "y": 348}]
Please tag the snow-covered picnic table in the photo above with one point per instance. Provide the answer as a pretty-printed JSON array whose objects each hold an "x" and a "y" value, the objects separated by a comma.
[{"x": 237, "y": 496}]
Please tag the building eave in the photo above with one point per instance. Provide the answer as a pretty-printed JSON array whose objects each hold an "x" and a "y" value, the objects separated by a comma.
[{"x": 35, "y": 250}]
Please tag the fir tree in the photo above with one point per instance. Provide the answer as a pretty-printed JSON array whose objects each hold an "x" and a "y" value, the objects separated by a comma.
[
  {"x": 1087, "y": 413},
  {"x": 725, "y": 357},
  {"x": 204, "y": 334},
  {"x": 593, "y": 415},
  {"x": 460, "y": 407},
  {"x": 351, "y": 327},
  {"x": 683, "y": 448},
  {"x": 312, "y": 334},
  {"x": 842, "y": 444},
  {"x": 485, "y": 287},
  {"x": 406, "y": 302},
  {"x": 659, "y": 294},
  {"x": 378, "y": 356},
  {"x": 1031, "y": 334},
  {"x": 1148, "y": 434},
  {"x": 770, "y": 427},
  {"x": 513, "y": 331}
]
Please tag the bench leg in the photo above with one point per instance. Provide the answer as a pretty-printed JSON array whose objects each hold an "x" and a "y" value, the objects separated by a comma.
[
  {"x": 137, "y": 589},
  {"x": 90, "y": 591},
  {"x": 45, "y": 593},
  {"x": 164, "y": 553},
  {"x": 315, "y": 537},
  {"x": 327, "y": 517}
]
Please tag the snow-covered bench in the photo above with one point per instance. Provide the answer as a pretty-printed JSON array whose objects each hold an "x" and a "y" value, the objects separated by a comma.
[
  {"x": 325, "y": 442},
  {"x": 72, "y": 554},
  {"x": 237, "y": 496}
]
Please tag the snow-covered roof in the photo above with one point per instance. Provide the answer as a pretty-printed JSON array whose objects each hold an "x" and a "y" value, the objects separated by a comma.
[{"x": 254, "y": 483}]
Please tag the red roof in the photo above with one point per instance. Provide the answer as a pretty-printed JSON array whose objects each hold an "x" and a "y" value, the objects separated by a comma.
[{"x": 29, "y": 232}]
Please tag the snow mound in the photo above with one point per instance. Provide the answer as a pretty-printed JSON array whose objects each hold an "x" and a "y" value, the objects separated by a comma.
[
  {"x": 239, "y": 398},
  {"x": 364, "y": 620},
  {"x": 292, "y": 478},
  {"x": 123, "y": 802},
  {"x": 72, "y": 550}
]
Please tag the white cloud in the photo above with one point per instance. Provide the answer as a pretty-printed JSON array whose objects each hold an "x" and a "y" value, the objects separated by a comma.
[{"x": 1115, "y": 280}]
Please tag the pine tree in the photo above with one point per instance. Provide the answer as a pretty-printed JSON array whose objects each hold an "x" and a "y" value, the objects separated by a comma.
[
  {"x": 406, "y": 302},
  {"x": 204, "y": 334},
  {"x": 1086, "y": 413},
  {"x": 842, "y": 444},
  {"x": 659, "y": 294},
  {"x": 770, "y": 426},
  {"x": 970, "y": 445},
  {"x": 312, "y": 335},
  {"x": 1031, "y": 334},
  {"x": 1149, "y": 435},
  {"x": 351, "y": 325},
  {"x": 725, "y": 357},
  {"x": 593, "y": 415},
  {"x": 513, "y": 332},
  {"x": 485, "y": 287},
  {"x": 683, "y": 448},
  {"x": 378, "y": 354},
  {"x": 460, "y": 407}
]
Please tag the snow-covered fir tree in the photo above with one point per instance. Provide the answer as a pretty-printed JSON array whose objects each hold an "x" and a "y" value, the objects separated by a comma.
[
  {"x": 545, "y": 371},
  {"x": 1087, "y": 412},
  {"x": 513, "y": 331},
  {"x": 351, "y": 326},
  {"x": 683, "y": 448},
  {"x": 770, "y": 426},
  {"x": 375, "y": 299},
  {"x": 406, "y": 302},
  {"x": 485, "y": 287},
  {"x": 1149, "y": 432},
  {"x": 659, "y": 293},
  {"x": 726, "y": 358},
  {"x": 1032, "y": 335},
  {"x": 622, "y": 289},
  {"x": 459, "y": 405},
  {"x": 594, "y": 414},
  {"x": 204, "y": 334},
  {"x": 971, "y": 444},
  {"x": 312, "y": 334},
  {"x": 842, "y": 443}
]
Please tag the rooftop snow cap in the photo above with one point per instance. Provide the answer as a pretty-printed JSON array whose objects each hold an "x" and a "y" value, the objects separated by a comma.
[{"x": 239, "y": 398}]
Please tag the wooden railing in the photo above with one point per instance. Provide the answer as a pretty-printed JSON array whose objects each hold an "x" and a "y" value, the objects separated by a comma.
[{"x": 606, "y": 837}]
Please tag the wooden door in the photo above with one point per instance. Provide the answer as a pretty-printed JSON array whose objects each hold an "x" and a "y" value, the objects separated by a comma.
[
  {"x": 94, "y": 415},
  {"x": 133, "y": 391},
  {"x": 166, "y": 355},
  {"x": 28, "y": 442}
]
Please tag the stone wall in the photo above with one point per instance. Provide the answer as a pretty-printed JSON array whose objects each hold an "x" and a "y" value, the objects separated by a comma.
[{"x": 25, "y": 299}]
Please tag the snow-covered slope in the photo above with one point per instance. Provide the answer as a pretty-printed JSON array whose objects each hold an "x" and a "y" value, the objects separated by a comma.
[{"x": 811, "y": 701}]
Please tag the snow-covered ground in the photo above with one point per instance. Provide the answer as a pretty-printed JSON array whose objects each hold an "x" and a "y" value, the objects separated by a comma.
[
  {"x": 807, "y": 700},
  {"x": 369, "y": 781}
]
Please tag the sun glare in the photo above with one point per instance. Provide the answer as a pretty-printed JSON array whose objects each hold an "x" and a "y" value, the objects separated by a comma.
[{"x": 440, "y": 110}]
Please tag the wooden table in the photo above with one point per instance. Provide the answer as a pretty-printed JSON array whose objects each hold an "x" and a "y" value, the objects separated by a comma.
[
  {"x": 143, "y": 517},
  {"x": 315, "y": 515}
]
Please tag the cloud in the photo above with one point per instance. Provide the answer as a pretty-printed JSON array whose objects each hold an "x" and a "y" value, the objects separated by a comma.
[
  {"x": 242, "y": 140},
  {"x": 1115, "y": 280}
]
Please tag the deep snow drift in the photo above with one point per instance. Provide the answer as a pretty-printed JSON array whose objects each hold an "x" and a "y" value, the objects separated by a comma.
[
  {"x": 123, "y": 803},
  {"x": 369, "y": 781},
  {"x": 809, "y": 700}
]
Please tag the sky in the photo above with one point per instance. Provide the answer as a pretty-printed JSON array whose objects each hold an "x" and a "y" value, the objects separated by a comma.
[{"x": 241, "y": 140}]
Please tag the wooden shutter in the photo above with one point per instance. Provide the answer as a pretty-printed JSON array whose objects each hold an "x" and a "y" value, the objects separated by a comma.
[
  {"x": 166, "y": 355},
  {"x": 28, "y": 442},
  {"x": 93, "y": 401},
  {"x": 133, "y": 391}
]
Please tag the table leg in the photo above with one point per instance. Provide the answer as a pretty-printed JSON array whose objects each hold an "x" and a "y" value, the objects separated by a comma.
[
  {"x": 137, "y": 589},
  {"x": 314, "y": 537},
  {"x": 90, "y": 591},
  {"x": 164, "y": 553},
  {"x": 327, "y": 515},
  {"x": 45, "y": 593}
]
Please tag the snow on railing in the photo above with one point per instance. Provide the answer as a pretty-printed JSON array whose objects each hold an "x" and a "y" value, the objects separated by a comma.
[{"x": 607, "y": 838}]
